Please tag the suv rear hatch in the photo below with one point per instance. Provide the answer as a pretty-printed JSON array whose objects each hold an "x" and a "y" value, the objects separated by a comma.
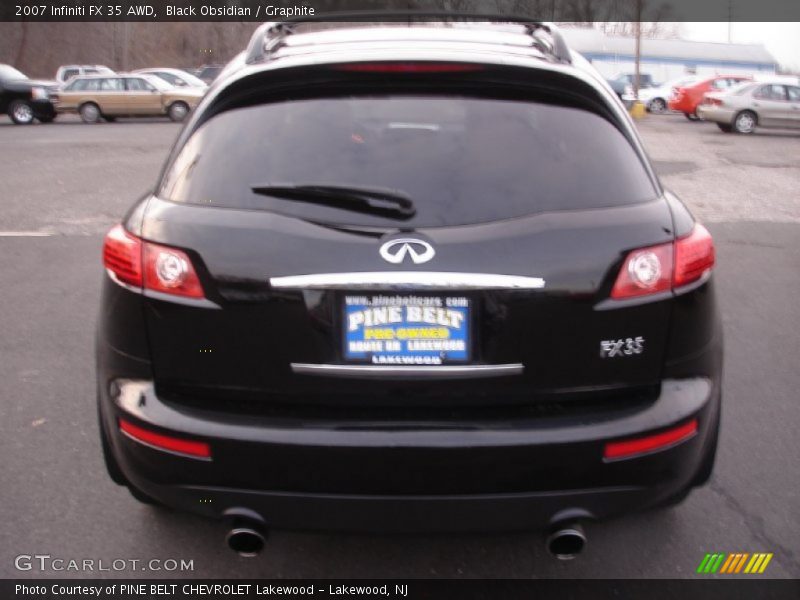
[{"x": 512, "y": 180}]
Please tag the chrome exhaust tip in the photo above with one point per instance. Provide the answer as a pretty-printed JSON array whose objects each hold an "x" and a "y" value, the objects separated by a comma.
[
  {"x": 246, "y": 539},
  {"x": 566, "y": 541}
]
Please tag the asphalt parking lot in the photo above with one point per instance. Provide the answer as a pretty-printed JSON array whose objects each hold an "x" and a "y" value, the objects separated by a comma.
[{"x": 64, "y": 185}]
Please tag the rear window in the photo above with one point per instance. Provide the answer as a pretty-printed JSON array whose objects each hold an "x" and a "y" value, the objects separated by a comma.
[
  {"x": 83, "y": 85},
  {"x": 460, "y": 160}
]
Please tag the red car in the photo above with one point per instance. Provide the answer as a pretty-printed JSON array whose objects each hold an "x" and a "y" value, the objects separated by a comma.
[{"x": 687, "y": 99}]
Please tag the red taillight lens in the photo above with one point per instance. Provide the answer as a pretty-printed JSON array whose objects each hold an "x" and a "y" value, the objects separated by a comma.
[
  {"x": 170, "y": 271},
  {"x": 164, "y": 442},
  {"x": 122, "y": 255},
  {"x": 694, "y": 255},
  {"x": 715, "y": 101},
  {"x": 651, "y": 443},
  {"x": 645, "y": 271},
  {"x": 408, "y": 67},
  {"x": 660, "y": 268},
  {"x": 152, "y": 266}
]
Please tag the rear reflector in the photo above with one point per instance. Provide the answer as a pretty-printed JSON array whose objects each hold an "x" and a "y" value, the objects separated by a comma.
[
  {"x": 163, "y": 442},
  {"x": 409, "y": 67},
  {"x": 652, "y": 443}
]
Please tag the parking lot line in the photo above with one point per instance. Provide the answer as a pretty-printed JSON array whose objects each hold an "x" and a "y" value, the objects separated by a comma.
[{"x": 25, "y": 234}]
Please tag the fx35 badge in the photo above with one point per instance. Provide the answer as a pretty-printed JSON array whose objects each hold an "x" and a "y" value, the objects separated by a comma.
[{"x": 621, "y": 347}]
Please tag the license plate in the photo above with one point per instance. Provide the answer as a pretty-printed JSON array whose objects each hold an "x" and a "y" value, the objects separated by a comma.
[{"x": 406, "y": 330}]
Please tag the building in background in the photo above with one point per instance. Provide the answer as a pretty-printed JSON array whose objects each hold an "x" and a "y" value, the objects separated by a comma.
[{"x": 669, "y": 59}]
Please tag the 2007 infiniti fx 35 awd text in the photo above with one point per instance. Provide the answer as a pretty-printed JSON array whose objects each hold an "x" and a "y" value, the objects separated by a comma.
[{"x": 407, "y": 278}]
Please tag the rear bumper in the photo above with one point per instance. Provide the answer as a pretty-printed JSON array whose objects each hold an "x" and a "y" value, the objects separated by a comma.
[
  {"x": 508, "y": 476},
  {"x": 683, "y": 106},
  {"x": 716, "y": 114}
]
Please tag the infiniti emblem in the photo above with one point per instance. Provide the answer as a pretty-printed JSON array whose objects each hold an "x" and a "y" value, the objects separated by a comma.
[{"x": 395, "y": 251}]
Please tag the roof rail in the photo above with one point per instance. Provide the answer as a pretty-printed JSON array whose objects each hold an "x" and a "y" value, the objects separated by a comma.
[{"x": 271, "y": 36}]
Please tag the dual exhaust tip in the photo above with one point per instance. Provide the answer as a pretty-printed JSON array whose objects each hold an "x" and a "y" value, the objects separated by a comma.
[
  {"x": 247, "y": 537},
  {"x": 248, "y": 533},
  {"x": 247, "y": 540},
  {"x": 566, "y": 541}
]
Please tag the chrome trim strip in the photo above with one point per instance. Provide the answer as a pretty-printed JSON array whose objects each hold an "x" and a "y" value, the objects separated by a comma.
[
  {"x": 410, "y": 280},
  {"x": 408, "y": 372}
]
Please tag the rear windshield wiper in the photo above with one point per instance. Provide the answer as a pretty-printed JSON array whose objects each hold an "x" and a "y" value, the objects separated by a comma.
[{"x": 393, "y": 204}]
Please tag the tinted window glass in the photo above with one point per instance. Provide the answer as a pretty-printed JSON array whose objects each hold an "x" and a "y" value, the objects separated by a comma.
[
  {"x": 771, "y": 92},
  {"x": 136, "y": 84},
  {"x": 70, "y": 73},
  {"x": 460, "y": 160},
  {"x": 84, "y": 85},
  {"x": 111, "y": 85},
  {"x": 170, "y": 78},
  {"x": 794, "y": 93}
]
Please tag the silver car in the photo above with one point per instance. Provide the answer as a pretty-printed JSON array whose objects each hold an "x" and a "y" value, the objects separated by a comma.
[{"x": 753, "y": 104}]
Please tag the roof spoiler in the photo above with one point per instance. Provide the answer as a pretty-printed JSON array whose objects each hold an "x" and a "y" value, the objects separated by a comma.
[{"x": 269, "y": 37}]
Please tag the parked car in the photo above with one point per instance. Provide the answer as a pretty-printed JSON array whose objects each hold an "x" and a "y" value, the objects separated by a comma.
[
  {"x": 175, "y": 77},
  {"x": 407, "y": 278},
  {"x": 96, "y": 96},
  {"x": 753, "y": 104},
  {"x": 687, "y": 98},
  {"x": 209, "y": 73},
  {"x": 655, "y": 99},
  {"x": 67, "y": 72},
  {"x": 24, "y": 100},
  {"x": 623, "y": 84}
]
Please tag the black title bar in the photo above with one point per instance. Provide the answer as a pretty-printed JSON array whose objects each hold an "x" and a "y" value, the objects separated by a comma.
[
  {"x": 413, "y": 589},
  {"x": 266, "y": 10}
]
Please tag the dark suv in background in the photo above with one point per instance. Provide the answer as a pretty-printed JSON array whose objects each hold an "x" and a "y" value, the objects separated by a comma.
[
  {"x": 23, "y": 99},
  {"x": 403, "y": 278}
]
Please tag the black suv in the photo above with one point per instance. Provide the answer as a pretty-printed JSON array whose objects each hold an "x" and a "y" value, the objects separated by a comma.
[
  {"x": 409, "y": 278},
  {"x": 23, "y": 99}
]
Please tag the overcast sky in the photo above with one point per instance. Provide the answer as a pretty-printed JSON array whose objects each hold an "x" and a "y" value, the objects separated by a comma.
[{"x": 781, "y": 39}]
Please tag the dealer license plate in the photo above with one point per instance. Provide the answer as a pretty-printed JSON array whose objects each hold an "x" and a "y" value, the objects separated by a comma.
[{"x": 406, "y": 330}]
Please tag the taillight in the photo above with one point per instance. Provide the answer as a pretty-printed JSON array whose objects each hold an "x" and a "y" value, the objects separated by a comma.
[
  {"x": 408, "y": 67},
  {"x": 694, "y": 256},
  {"x": 666, "y": 266},
  {"x": 170, "y": 271},
  {"x": 150, "y": 266},
  {"x": 122, "y": 255},
  {"x": 645, "y": 271}
]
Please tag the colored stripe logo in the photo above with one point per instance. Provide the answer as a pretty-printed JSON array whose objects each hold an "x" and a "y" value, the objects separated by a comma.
[{"x": 734, "y": 563}]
